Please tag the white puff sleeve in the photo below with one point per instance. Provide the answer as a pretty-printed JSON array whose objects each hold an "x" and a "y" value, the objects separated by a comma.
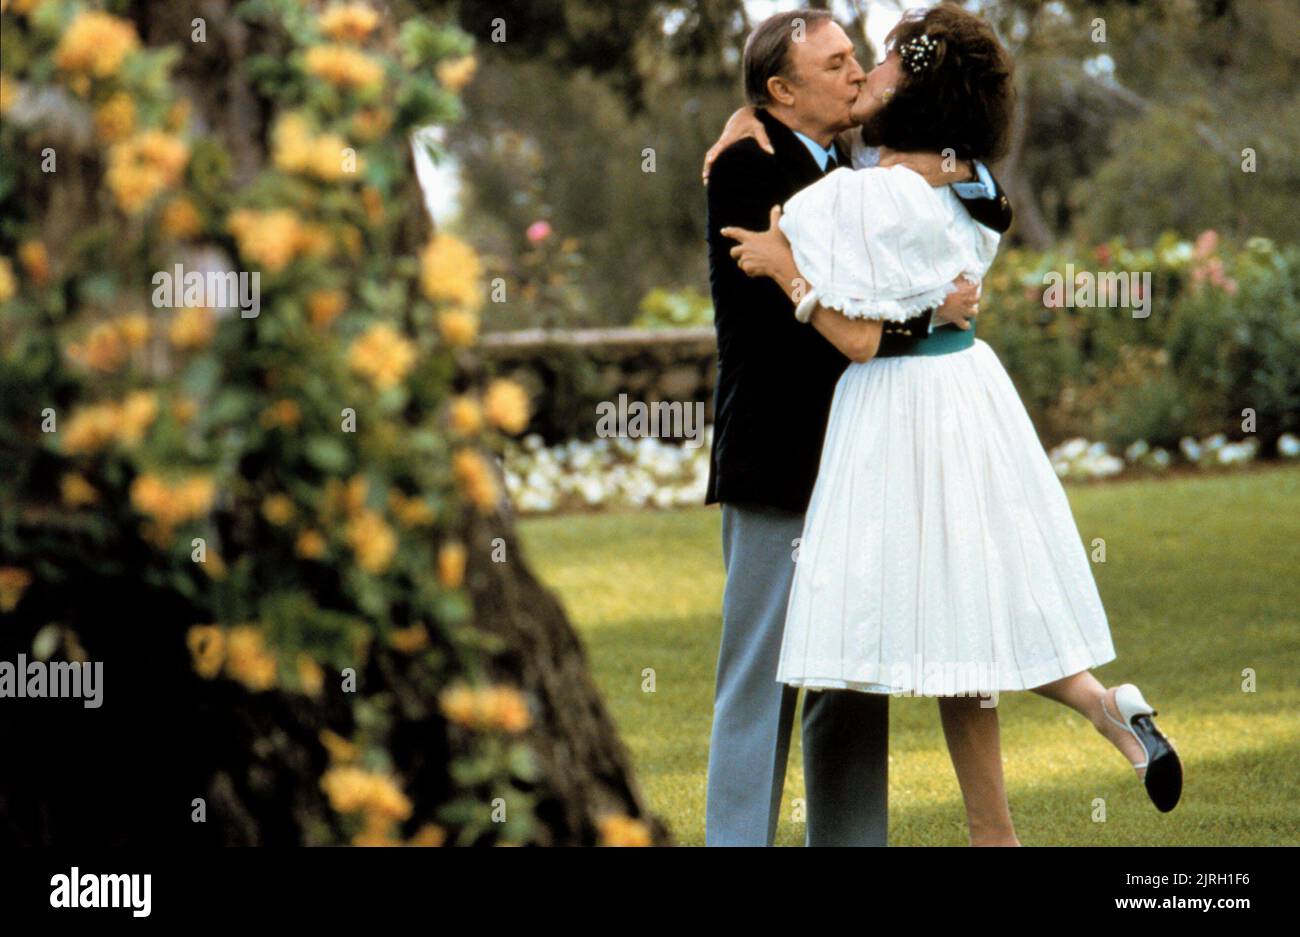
[{"x": 882, "y": 243}]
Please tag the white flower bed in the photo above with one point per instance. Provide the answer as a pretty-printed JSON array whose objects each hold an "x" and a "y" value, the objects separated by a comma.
[
  {"x": 619, "y": 472},
  {"x": 1080, "y": 459},
  {"x": 638, "y": 473}
]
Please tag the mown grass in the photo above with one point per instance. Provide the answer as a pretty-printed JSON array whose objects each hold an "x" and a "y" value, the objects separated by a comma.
[{"x": 1200, "y": 584}]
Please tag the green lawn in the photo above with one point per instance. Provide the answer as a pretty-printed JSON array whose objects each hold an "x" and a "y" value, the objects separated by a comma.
[{"x": 1201, "y": 584}]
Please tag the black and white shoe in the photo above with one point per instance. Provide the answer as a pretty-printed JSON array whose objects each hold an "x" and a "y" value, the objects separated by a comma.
[{"x": 1164, "y": 772}]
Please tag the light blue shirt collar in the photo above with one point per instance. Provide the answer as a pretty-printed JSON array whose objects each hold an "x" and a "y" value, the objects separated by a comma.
[{"x": 820, "y": 153}]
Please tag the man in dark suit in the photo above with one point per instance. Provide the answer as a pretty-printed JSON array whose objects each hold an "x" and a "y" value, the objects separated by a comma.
[{"x": 775, "y": 381}]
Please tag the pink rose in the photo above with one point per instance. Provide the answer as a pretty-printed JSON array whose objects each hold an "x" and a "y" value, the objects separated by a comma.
[
  {"x": 538, "y": 231},
  {"x": 1206, "y": 243}
]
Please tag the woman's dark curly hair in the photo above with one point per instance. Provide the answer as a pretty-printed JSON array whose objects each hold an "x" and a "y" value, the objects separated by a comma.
[{"x": 963, "y": 97}]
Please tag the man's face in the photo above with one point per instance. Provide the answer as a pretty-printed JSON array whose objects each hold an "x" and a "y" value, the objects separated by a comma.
[
  {"x": 826, "y": 77},
  {"x": 879, "y": 85}
]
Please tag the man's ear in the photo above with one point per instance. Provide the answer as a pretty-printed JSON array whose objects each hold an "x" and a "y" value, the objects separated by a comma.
[{"x": 780, "y": 90}]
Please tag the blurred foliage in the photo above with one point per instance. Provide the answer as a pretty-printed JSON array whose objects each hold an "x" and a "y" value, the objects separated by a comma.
[
  {"x": 1223, "y": 335},
  {"x": 666, "y": 309},
  {"x": 295, "y": 485},
  {"x": 1134, "y": 119}
]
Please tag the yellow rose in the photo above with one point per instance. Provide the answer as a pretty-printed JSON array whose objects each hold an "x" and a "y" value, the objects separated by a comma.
[
  {"x": 382, "y": 356},
  {"x": 450, "y": 271},
  {"x": 349, "y": 22},
  {"x": 618, "y": 830},
  {"x": 35, "y": 260},
  {"x": 115, "y": 118},
  {"x": 475, "y": 478},
  {"x": 207, "y": 644},
  {"x": 455, "y": 74},
  {"x": 75, "y": 491},
  {"x": 192, "y": 328},
  {"x": 8, "y": 285},
  {"x": 451, "y": 565},
  {"x": 372, "y": 541},
  {"x": 324, "y": 306},
  {"x": 180, "y": 219},
  {"x": 96, "y": 43},
  {"x": 248, "y": 660},
  {"x": 409, "y": 640},
  {"x": 343, "y": 67},
  {"x": 310, "y": 545},
  {"x": 506, "y": 405},
  {"x": 278, "y": 509},
  {"x": 310, "y": 675},
  {"x": 458, "y": 328},
  {"x": 13, "y": 583},
  {"x": 465, "y": 415}
]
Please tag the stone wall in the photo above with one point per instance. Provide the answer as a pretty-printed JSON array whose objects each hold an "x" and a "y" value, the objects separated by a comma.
[{"x": 567, "y": 373}]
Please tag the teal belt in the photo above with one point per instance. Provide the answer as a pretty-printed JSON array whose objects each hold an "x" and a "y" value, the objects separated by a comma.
[{"x": 944, "y": 340}]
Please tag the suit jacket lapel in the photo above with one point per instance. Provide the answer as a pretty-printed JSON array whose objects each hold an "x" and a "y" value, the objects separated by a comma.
[{"x": 796, "y": 162}]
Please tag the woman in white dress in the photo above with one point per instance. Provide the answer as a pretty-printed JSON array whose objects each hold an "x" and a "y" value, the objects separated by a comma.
[{"x": 939, "y": 554}]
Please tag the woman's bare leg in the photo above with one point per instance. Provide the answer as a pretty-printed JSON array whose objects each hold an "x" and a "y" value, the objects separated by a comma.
[
  {"x": 976, "y": 750},
  {"x": 1084, "y": 693}
]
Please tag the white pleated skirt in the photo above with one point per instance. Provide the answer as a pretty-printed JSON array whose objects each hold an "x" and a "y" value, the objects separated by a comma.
[{"x": 939, "y": 555}]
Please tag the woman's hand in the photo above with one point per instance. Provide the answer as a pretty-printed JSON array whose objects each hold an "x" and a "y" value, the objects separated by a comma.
[
  {"x": 764, "y": 253},
  {"x": 744, "y": 123}
]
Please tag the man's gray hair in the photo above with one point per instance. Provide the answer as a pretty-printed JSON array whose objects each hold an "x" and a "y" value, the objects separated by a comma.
[{"x": 767, "y": 50}]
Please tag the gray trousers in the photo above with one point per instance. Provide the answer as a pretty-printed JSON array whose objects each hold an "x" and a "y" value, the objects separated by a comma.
[{"x": 845, "y": 732}]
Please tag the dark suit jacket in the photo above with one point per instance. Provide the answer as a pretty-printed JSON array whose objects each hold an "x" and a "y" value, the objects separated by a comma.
[{"x": 776, "y": 376}]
